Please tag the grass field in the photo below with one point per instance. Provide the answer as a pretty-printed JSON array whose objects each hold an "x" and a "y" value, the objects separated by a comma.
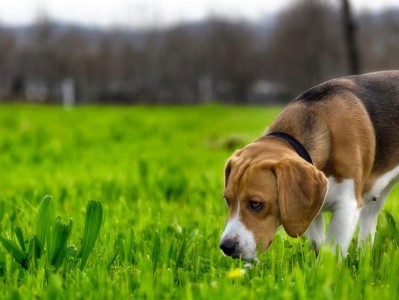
[{"x": 158, "y": 173}]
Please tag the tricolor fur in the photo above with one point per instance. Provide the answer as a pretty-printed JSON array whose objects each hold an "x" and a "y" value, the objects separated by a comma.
[{"x": 350, "y": 127}]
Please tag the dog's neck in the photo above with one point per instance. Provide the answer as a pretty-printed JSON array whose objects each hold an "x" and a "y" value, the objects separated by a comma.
[
  {"x": 294, "y": 143},
  {"x": 309, "y": 130}
]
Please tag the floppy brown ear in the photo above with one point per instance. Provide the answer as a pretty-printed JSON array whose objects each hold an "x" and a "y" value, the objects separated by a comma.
[
  {"x": 302, "y": 189},
  {"x": 227, "y": 171}
]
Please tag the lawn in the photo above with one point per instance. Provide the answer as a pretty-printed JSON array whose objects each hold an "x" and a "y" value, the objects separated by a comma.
[{"x": 158, "y": 173}]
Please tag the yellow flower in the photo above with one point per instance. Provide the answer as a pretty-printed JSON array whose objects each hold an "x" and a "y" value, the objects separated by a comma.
[{"x": 235, "y": 273}]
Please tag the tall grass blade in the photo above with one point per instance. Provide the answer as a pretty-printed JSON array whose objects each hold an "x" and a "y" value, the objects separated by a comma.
[
  {"x": 156, "y": 251},
  {"x": 2, "y": 264},
  {"x": 20, "y": 237},
  {"x": 43, "y": 222},
  {"x": 112, "y": 259},
  {"x": 94, "y": 218},
  {"x": 393, "y": 228},
  {"x": 34, "y": 249},
  {"x": 70, "y": 258},
  {"x": 58, "y": 241},
  {"x": 1, "y": 210},
  {"x": 15, "y": 252},
  {"x": 181, "y": 255}
]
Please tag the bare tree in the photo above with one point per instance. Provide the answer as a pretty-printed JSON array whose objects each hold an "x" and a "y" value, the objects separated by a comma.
[
  {"x": 230, "y": 59},
  {"x": 380, "y": 36},
  {"x": 350, "y": 37},
  {"x": 306, "y": 47},
  {"x": 9, "y": 75}
]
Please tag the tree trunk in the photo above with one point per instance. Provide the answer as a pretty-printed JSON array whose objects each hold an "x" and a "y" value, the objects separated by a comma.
[{"x": 350, "y": 38}]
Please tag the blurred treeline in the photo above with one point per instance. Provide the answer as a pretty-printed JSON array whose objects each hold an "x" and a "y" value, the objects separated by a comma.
[{"x": 213, "y": 60}]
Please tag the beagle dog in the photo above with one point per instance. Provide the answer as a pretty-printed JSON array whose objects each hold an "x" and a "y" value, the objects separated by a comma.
[{"x": 333, "y": 148}]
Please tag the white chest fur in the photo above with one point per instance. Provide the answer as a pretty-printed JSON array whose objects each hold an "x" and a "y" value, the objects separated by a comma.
[{"x": 339, "y": 193}]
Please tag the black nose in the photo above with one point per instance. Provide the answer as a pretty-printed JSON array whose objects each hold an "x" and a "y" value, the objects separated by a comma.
[{"x": 228, "y": 247}]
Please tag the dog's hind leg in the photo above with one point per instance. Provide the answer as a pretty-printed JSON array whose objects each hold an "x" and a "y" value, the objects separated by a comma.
[{"x": 368, "y": 219}]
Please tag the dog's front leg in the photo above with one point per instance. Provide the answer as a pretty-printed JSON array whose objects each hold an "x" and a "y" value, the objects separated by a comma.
[
  {"x": 341, "y": 200},
  {"x": 343, "y": 224},
  {"x": 315, "y": 232}
]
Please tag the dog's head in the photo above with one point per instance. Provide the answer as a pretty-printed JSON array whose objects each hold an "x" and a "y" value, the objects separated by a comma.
[{"x": 267, "y": 185}]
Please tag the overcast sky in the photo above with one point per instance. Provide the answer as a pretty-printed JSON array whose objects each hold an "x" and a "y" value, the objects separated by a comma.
[{"x": 148, "y": 12}]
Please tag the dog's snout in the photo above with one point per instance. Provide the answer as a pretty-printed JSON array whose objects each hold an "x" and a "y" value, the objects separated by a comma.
[{"x": 228, "y": 247}]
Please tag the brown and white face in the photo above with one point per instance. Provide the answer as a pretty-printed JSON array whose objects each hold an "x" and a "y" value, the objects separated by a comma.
[{"x": 265, "y": 191}]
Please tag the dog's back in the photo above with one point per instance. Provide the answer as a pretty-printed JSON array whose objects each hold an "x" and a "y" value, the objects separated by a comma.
[{"x": 379, "y": 93}]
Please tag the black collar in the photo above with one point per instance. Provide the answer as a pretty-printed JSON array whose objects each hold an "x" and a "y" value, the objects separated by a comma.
[{"x": 295, "y": 144}]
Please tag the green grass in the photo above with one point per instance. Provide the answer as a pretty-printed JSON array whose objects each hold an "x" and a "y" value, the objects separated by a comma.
[{"x": 158, "y": 173}]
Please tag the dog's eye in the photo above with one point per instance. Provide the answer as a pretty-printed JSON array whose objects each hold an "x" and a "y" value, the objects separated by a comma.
[{"x": 255, "y": 205}]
